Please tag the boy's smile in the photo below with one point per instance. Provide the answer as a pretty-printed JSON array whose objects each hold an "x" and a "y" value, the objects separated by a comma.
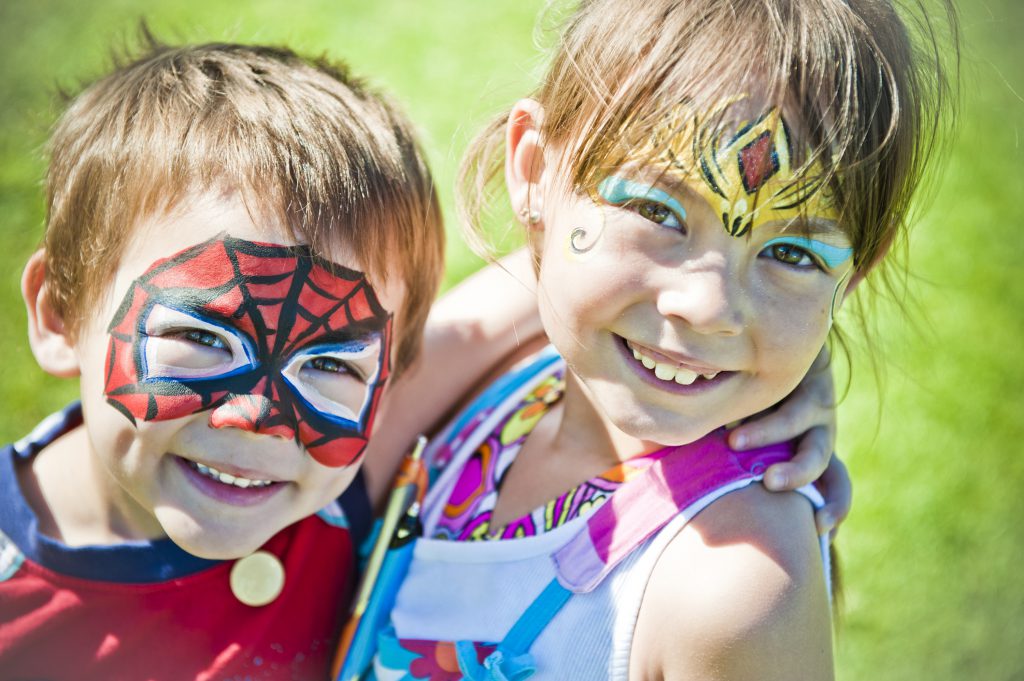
[{"x": 237, "y": 383}]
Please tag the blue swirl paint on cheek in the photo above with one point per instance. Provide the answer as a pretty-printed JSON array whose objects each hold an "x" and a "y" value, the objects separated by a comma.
[{"x": 832, "y": 256}]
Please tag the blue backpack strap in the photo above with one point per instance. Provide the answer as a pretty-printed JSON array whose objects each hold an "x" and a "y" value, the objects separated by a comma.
[{"x": 511, "y": 661}]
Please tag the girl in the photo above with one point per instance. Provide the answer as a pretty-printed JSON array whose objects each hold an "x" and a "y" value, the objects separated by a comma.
[{"x": 703, "y": 183}]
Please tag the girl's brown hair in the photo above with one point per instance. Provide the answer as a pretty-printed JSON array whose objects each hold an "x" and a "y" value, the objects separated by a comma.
[
  {"x": 864, "y": 87},
  {"x": 300, "y": 139}
]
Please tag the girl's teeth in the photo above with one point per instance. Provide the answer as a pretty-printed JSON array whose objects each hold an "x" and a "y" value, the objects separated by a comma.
[
  {"x": 669, "y": 372},
  {"x": 685, "y": 376},
  {"x": 227, "y": 478},
  {"x": 665, "y": 372}
]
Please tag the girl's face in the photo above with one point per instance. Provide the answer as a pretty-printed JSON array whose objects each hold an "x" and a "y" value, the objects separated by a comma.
[{"x": 686, "y": 298}]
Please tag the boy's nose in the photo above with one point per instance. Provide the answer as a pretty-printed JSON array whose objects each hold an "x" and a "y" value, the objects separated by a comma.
[
  {"x": 707, "y": 300},
  {"x": 255, "y": 412}
]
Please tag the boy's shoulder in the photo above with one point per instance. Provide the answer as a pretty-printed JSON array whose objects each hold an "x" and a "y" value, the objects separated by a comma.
[{"x": 738, "y": 593}]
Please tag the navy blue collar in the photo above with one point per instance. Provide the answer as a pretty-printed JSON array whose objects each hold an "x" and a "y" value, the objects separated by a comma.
[{"x": 133, "y": 562}]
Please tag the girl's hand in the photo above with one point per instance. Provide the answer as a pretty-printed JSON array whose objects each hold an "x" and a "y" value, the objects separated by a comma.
[{"x": 808, "y": 412}]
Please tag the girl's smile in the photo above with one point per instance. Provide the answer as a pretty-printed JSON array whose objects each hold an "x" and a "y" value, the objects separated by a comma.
[{"x": 675, "y": 375}]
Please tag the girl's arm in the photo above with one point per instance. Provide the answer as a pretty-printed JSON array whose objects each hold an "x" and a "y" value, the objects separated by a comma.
[
  {"x": 487, "y": 318},
  {"x": 738, "y": 595}
]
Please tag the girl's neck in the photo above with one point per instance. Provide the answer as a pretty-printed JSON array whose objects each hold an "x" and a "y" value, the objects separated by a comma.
[{"x": 584, "y": 428}]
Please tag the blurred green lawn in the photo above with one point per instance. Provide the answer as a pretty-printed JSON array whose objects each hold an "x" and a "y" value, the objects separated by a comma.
[{"x": 930, "y": 555}]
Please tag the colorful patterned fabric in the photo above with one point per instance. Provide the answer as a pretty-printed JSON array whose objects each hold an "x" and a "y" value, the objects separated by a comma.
[{"x": 467, "y": 514}]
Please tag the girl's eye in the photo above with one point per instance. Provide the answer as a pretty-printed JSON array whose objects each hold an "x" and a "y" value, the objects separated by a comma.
[
  {"x": 656, "y": 213},
  {"x": 792, "y": 255},
  {"x": 650, "y": 203},
  {"x": 201, "y": 337},
  {"x": 804, "y": 253}
]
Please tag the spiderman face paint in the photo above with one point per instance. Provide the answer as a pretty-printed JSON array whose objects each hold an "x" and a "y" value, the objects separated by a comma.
[{"x": 270, "y": 339}]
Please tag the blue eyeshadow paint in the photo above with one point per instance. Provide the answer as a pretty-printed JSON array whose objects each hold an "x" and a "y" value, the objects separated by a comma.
[
  {"x": 832, "y": 256},
  {"x": 616, "y": 190}
]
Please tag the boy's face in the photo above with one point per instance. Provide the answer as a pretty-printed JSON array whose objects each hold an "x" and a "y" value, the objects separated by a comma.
[{"x": 230, "y": 378}]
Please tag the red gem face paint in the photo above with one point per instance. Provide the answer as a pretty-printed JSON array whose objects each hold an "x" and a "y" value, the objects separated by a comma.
[{"x": 271, "y": 339}]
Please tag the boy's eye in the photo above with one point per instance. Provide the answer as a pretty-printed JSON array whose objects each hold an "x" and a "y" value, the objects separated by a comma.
[
  {"x": 336, "y": 380},
  {"x": 329, "y": 364},
  {"x": 200, "y": 337}
]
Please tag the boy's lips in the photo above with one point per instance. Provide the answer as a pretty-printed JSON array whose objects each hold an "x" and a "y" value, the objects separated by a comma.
[{"x": 233, "y": 486}]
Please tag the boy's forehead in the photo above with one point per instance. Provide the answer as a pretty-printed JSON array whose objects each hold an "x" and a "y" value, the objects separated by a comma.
[{"x": 199, "y": 218}]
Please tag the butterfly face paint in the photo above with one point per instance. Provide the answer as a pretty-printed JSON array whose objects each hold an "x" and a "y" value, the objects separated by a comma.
[
  {"x": 271, "y": 339},
  {"x": 747, "y": 177}
]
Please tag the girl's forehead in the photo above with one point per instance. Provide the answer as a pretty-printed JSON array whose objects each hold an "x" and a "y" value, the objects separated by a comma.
[{"x": 746, "y": 164}]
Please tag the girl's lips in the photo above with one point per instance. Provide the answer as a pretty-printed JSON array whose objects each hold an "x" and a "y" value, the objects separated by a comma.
[
  {"x": 225, "y": 492},
  {"x": 671, "y": 358},
  {"x": 699, "y": 385}
]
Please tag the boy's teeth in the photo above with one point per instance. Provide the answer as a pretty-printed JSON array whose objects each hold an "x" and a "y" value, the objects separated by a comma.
[
  {"x": 229, "y": 479},
  {"x": 669, "y": 372}
]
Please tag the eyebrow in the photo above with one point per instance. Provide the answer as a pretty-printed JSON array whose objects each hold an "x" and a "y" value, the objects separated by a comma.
[
  {"x": 671, "y": 179},
  {"x": 810, "y": 226}
]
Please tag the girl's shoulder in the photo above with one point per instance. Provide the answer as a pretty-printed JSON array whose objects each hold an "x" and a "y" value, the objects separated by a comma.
[{"x": 738, "y": 593}]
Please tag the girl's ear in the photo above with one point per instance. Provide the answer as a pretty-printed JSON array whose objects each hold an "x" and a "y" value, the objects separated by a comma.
[
  {"x": 855, "y": 280},
  {"x": 53, "y": 349},
  {"x": 524, "y": 161}
]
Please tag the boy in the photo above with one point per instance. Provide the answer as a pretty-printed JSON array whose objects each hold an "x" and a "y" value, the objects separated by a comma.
[{"x": 241, "y": 250}]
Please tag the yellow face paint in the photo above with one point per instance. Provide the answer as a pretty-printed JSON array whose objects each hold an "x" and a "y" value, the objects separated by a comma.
[{"x": 747, "y": 177}]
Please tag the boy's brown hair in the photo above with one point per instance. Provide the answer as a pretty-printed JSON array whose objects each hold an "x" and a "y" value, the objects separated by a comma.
[{"x": 301, "y": 140}]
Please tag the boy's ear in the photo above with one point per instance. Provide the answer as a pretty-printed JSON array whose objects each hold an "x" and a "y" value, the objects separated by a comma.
[
  {"x": 52, "y": 348},
  {"x": 524, "y": 160}
]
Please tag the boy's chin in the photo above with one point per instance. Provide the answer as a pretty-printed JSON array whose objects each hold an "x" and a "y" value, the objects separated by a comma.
[{"x": 217, "y": 542}]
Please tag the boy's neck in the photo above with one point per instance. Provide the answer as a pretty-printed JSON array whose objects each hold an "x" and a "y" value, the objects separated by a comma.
[{"x": 75, "y": 499}]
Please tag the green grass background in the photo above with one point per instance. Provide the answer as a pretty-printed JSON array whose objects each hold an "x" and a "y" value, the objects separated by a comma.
[{"x": 931, "y": 553}]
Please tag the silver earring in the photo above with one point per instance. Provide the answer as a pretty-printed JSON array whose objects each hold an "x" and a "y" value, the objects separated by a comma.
[{"x": 529, "y": 216}]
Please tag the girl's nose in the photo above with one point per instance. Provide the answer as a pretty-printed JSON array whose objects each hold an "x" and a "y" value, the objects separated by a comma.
[{"x": 707, "y": 300}]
